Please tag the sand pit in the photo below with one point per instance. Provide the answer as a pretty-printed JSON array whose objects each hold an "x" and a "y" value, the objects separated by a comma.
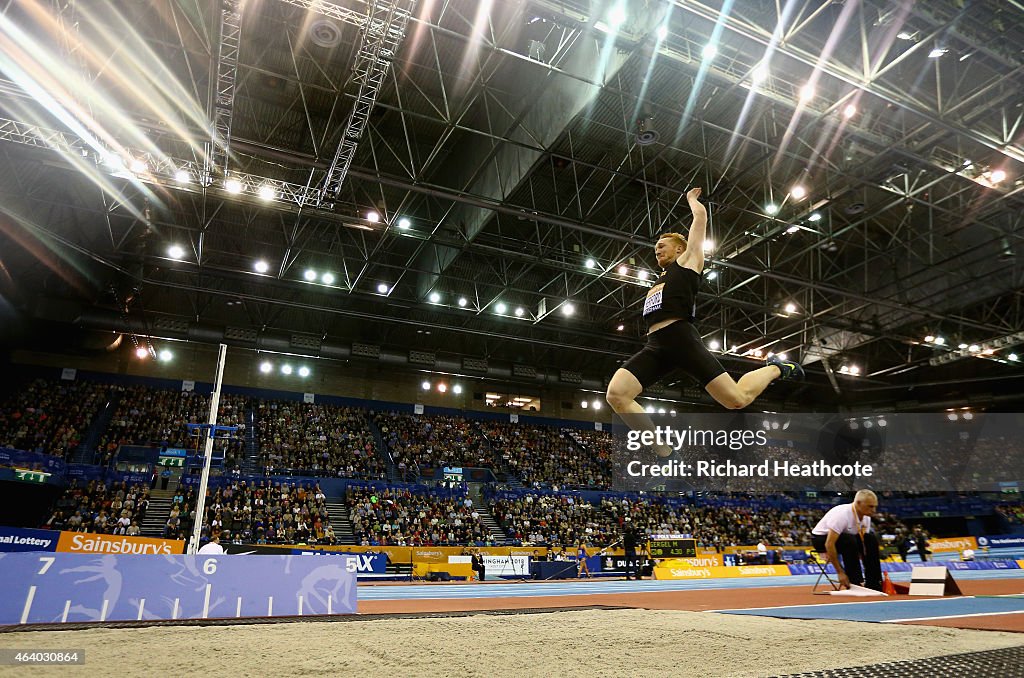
[{"x": 596, "y": 642}]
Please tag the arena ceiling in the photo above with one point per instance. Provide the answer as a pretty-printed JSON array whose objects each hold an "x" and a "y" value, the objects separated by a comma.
[{"x": 521, "y": 139}]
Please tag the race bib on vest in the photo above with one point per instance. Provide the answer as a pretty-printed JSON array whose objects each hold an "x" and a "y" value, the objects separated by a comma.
[{"x": 653, "y": 301}]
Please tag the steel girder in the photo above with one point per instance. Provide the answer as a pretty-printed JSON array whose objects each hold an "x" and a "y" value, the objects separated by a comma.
[{"x": 222, "y": 89}]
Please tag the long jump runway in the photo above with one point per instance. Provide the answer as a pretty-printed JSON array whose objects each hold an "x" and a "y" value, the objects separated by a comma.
[{"x": 989, "y": 602}]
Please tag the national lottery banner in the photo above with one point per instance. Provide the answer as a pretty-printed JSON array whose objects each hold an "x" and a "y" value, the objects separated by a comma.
[
  {"x": 762, "y": 452},
  {"x": 1001, "y": 541},
  {"x": 22, "y": 539}
]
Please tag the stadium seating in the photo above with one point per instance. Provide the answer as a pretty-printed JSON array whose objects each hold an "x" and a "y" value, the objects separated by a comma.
[
  {"x": 267, "y": 513},
  {"x": 94, "y": 507},
  {"x": 316, "y": 440},
  {"x": 400, "y": 517},
  {"x": 50, "y": 416}
]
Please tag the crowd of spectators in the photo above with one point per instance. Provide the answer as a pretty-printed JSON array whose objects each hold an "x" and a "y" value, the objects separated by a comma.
[
  {"x": 542, "y": 456},
  {"x": 231, "y": 412},
  {"x": 149, "y": 416},
  {"x": 553, "y": 519},
  {"x": 50, "y": 417},
  {"x": 399, "y": 517},
  {"x": 264, "y": 513},
  {"x": 95, "y": 507},
  {"x": 566, "y": 519},
  {"x": 432, "y": 442},
  {"x": 318, "y": 440}
]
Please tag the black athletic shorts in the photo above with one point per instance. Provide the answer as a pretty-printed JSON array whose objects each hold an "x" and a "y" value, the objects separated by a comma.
[{"x": 676, "y": 347}]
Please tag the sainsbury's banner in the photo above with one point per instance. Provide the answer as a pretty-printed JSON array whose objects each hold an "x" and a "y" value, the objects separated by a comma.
[
  {"x": 22, "y": 539},
  {"x": 950, "y": 544},
  {"x": 702, "y": 560},
  {"x": 80, "y": 542},
  {"x": 662, "y": 572}
]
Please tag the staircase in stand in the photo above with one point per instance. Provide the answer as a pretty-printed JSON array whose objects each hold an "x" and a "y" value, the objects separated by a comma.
[
  {"x": 251, "y": 460},
  {"x": 157, "y": 513},
  {"x": 480, "y": 505},
  {"x": 392, "y": 474},
  {"x": 85, "y": 453},
  {"x": 337, "y": 514}
]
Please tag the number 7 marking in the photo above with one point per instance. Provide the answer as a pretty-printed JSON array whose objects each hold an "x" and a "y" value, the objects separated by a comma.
[{"x": 48, "y": 560}]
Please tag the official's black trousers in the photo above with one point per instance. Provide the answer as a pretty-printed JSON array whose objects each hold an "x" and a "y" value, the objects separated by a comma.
[
  {"x": 631, "y": 564},
  {"x": 848, "y": 546}
]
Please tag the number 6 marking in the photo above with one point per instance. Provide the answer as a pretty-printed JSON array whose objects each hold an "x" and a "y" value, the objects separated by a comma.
[
  {"x": 48, "y": 560},
  {"x": 210, "y": 566}
]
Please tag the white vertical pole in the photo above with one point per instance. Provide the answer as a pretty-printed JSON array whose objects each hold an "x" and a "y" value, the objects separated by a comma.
[{"x": 197, "y": 529}]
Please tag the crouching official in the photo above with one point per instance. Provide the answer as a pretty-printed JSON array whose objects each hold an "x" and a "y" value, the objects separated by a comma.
[{"x": 845, "y": 532}]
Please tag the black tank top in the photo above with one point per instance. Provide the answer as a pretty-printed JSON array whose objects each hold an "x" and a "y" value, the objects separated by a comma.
[{"x": 673, "y": 296}]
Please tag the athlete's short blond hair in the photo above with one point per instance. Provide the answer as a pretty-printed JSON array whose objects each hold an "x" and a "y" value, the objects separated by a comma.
[{"x": 677, "y": 237}]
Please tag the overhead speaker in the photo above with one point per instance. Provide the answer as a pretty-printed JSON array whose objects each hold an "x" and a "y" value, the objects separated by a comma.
[
  {"x": 325, "y": 33},
  {"x": 645, "y": 135}
]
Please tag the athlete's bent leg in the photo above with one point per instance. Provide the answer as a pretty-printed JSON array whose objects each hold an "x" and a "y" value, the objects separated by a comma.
[
  {"x": 621, "y": 396},
  {"x": 622, "y": 392},
  {"x": 737, "y": 395}
]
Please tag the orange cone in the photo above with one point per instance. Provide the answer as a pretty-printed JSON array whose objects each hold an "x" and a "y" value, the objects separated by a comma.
[{"x": 887, "y": 585}]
